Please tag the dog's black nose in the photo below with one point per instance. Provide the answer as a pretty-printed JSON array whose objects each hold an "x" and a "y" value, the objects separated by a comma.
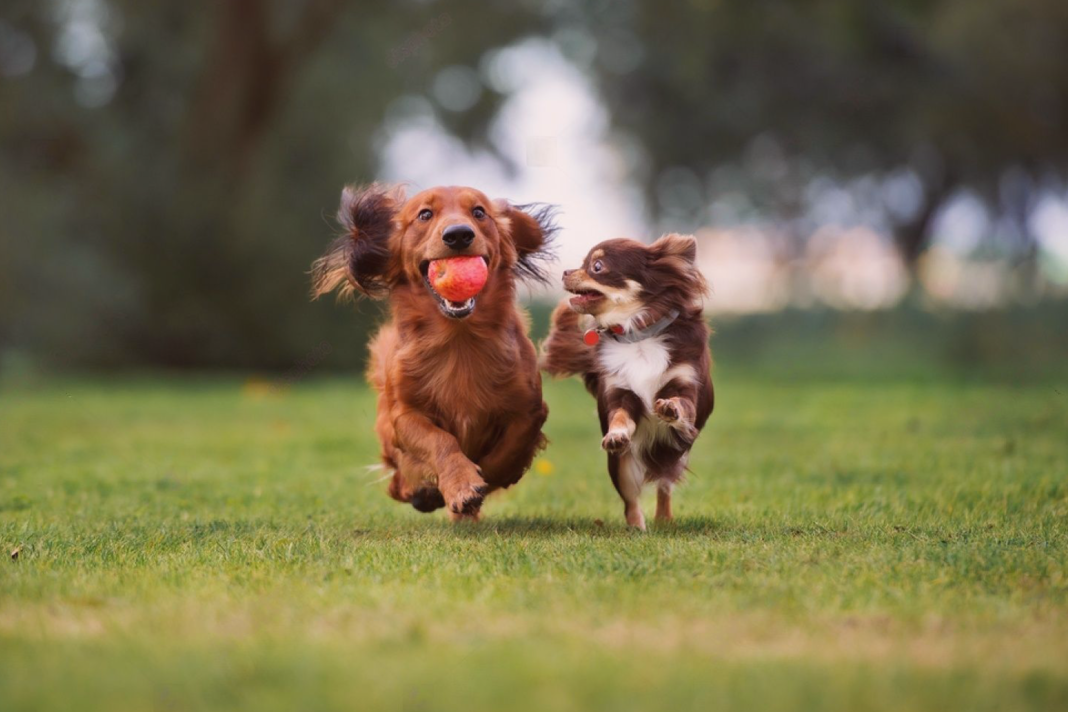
[{"x": 458, "y": 237}]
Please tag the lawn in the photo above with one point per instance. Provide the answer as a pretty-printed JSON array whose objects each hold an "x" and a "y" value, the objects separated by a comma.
[{"x": 893, "y": 543}]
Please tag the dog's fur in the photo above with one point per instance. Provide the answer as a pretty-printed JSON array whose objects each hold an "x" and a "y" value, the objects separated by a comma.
[
  {"x": 654, "y": 395},
  {"x": 460, "y": 409}
]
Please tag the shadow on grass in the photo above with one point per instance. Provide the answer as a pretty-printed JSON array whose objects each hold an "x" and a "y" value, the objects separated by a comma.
[
  {"x": 681, "y": 528},
  {"x": 550, "y": 527},
  {"x": 538, "y": 527},
  {"x": 265, "y": 532}
]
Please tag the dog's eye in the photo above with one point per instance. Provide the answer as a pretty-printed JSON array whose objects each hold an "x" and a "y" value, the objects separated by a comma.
[
  {"x": 598, "y": 266},
  {"x": 425, "y": 214},
  {"x": 478, "y": 212}
]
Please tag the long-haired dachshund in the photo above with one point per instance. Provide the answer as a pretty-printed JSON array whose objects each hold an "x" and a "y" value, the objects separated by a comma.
[
  {"x": 634, "y": 331},
  {"x": 460, "y": 409}
]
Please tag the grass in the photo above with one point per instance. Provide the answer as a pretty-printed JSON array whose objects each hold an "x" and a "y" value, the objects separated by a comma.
[{"x": 889, "y": 544}]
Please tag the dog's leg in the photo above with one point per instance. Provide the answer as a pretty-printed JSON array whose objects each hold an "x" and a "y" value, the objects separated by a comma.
[
  {"x": 628, "y": 476},
  {"x": 514, "y": 450},
  {"x": 663, "y": 500},
  {"x": 631, "y": 479},
  {"x": 412, "y": 479},
  {"x": 624, "y": 410},
  {"x": 459, "y": 479},
  {"x": 620, "y": 430}
]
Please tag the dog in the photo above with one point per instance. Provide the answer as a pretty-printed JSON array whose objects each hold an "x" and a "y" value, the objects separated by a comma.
[
  {"x": 634, "y": 331},
  {"x": 460, "y": 407}
]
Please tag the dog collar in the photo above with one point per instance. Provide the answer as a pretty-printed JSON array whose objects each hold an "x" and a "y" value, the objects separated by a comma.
[{"x": 593, "y": 336}]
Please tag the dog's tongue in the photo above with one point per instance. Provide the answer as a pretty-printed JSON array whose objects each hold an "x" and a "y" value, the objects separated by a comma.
[{"x": 458, "y": 278}]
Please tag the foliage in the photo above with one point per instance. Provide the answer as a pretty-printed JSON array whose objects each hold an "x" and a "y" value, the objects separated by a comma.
[
  {"x": 166, "y": 171},
  {"x": 952, "y": 93},
  {"x": 174, "y": 225}
]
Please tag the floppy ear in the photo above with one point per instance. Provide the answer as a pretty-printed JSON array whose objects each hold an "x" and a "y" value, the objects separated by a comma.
[
  {"x": 359, "y": 260},
  {"x": 677, "y": 254},
  {"x": 531, "y": 229}
]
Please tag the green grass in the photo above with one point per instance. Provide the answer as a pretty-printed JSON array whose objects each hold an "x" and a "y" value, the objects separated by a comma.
[{"x": 896, "y": 544}]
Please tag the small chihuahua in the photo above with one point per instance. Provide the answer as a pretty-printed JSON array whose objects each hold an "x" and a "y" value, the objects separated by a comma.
[{"x": 635, "y": 333}]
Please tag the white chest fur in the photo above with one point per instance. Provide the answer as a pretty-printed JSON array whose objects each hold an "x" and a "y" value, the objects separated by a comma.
[{"x": 641, "y": 367}]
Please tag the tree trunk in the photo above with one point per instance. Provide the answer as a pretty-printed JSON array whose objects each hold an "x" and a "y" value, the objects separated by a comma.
[
  {"x": 912, "y": 237},
  {"x": 245, "y": 76}
]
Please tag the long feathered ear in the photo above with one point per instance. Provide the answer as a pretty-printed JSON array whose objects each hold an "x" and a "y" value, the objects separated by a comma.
[
  {"x": 359, "y": 260},
  {"x": 676, "y": 247},
  {"x": 532, "y": 229},
  {"x": 677, "y": 254}
]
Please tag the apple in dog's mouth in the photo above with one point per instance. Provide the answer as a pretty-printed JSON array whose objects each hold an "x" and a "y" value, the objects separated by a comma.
[
  {"x": 455, "y": 282},
  {"x": 584, "y": 299}
]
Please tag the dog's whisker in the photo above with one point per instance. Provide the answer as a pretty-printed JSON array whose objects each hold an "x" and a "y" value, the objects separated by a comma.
[{"x": 379, "y": 468}]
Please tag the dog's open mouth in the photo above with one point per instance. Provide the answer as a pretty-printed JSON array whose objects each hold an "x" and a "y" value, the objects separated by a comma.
[
  {"x": 451, "y": 309},
  {"x": 585, "y": 298}
]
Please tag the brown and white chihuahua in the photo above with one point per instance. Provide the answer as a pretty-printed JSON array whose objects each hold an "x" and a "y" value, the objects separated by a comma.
[{"x": 635, "y": 333}]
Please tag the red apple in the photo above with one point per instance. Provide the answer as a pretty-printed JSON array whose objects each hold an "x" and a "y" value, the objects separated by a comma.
[{"x": 458, "y": 278}]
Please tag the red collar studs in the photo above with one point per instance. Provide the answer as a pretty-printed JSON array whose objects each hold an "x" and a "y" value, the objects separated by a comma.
[{"x": 593, "y": 336}]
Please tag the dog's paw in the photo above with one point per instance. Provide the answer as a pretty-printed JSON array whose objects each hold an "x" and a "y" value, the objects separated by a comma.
[
  {"x": 671, "y": 413},
  {"x": 463, "y": 487},
  {"x": 468, "y": 500},
  {"x": 616, "y": 442},
  {"x": 667, "y": 409},
  {"x": 427, "y": 499}
]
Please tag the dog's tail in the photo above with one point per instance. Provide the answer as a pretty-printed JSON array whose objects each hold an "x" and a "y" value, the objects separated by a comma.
[{"x": 564, "y": 353}]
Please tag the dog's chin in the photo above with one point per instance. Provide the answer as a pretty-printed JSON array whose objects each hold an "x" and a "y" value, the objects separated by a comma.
[{"x": 451, "y": 309}]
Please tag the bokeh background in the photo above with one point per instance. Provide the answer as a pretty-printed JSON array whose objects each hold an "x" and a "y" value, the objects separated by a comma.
[{"x": 881, "y": 181}]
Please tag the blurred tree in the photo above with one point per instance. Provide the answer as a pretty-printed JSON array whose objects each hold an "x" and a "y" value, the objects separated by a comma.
[
  {"x": 165, "y": 168},
  {"x": 948, "y": 94}
]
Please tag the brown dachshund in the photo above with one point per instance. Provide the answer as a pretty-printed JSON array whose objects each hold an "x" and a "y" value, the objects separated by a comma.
[{"x": 460, "y": 409}]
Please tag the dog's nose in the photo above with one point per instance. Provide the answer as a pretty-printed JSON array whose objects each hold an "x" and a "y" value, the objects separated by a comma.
[
  {"x": 458, "y": 237},
  {"x": 567, "y": 273}
]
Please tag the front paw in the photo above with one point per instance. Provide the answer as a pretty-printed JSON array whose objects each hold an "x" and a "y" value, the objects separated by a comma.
[
  {"x": 667, "y": 409},
  {"x": 616, "y": 442},
  {"x": 463, "y": 488},
  {"x": 427, "y": 499},
  {"x": 468, "y": 500}
]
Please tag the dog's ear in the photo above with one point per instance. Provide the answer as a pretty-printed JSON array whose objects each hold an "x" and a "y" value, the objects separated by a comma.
[
  {"x": 359, "y": 260},
  {"x": 530, "y": 229},
  {"x": 675, "y": 247},
  {"x": 676, "y": 256}
]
